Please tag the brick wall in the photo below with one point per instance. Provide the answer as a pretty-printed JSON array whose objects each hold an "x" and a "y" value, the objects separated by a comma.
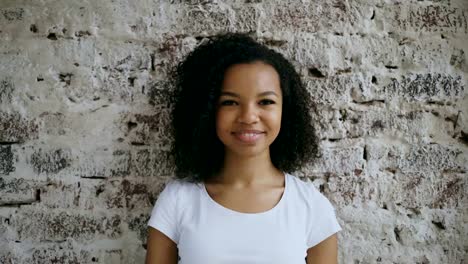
[{"x": 84, "y": 115}]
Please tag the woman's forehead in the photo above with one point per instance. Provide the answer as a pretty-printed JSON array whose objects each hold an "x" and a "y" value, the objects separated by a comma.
[{"x": 254, "y": 78}]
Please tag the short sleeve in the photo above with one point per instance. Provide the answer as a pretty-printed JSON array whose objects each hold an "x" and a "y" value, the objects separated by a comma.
[
  {"x": 323, "y": 221},
  {"x": 164, "y": 216}
]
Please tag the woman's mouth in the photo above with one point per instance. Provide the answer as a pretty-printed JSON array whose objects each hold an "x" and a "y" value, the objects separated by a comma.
[{"x": 248, "y": 136}]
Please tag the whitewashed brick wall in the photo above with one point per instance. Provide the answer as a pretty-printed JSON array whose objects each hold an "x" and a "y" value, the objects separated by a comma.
[{"x": 84, "y": 113}]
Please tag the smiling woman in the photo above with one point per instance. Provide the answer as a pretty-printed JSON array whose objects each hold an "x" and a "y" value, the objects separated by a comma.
[
  {"x": 248, "y": 115},
  {"x": 241, "y": 126}
]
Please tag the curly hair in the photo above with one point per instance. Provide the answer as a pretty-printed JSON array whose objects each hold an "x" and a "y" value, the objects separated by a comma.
[{"x": 198, "y": 153}]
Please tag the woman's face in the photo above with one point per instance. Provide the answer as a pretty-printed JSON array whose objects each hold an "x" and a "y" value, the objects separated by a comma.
[{"x": 248, "y": 116}]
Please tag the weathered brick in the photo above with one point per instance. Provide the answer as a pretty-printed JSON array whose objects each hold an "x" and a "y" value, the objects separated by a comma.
[
  {"x": 54, "y": 124},
  {"x": 68, "y": 252},
  {"x": 172, "y": 48},
  {"x": 50, "y": 160},
  {"x": 34, "y": 224},
  {"x": 144, "y": 129},
  {"x": 339, "y": 160},
  {"x": 369, "y": 54},
  {"x": 416, "y": 158},
  {"x": 108, "y": 193},
  {"x": 102, "y": 163},
  {"x": 133, "y": 194},
  {"x": 4, "y": 222},
  {"x": 140, "y": 22},
  {"x": 125, "y": 56},
  {"x": 6, "y": 160},
  {"x": 428, "y": 53},
  {"x": 426, "y": 87},
  {"x": 56, "y": 194},
  {"x": 451, "y": 191},
  {"x": 57, "y": 254},
  {"x": 208, "y": 18},
  {"x": 139, "y": 225},
  {"x": 429, "y": 190},
  {"x": 418, "y": 126},
  {"x": 16, "y": 128},
  {"x": 139, "y": 70},
  {"x": 151, "y": 162},
  {"x": 85, "y": 194},
  {"x": 11, "y": 14},
  {"x": 6, "y": 256},
  {"x": 351, "y": 188},
  {"x": 434, "y": 17},
  {"x": 18, "y": 191},
  {"x": 334, "y": 90},
  {"x": 413, "y": 126},
  {"x": 43, "y": 17},
  {"x": 421, "y": 179},
  {"x": 131, "y": 85},
  {"x": 74, "y": 53},
  {"x": 306, "y": 17},
  {"x": 6, "y": 90},
  {"x": 366, "y": 88},
  {"x": 407, "y": 237},
  {"x": 396, "y": 189},
  {"x": 161, "y": 95}
]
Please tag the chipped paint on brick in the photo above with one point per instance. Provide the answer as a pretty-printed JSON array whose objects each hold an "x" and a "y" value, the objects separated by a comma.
[
  {"x": 433, "y": 18},
  {"x": 426, "y": 87},
  {"x": 16, "y": 128},
  {"x": 6, "y": 160},
  {"x": 50, "y": 161},
  {"x": 6, "y": 90},
  {"x": 12, "y": 14},
  {"x": 59, "y": 226}
]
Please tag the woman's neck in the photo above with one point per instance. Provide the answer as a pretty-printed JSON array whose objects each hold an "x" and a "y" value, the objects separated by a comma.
[{"x": 241, "y": 172}]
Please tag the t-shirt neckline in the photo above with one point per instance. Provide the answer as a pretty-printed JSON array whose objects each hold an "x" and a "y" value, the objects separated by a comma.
[{"x": 234, "y": 212}]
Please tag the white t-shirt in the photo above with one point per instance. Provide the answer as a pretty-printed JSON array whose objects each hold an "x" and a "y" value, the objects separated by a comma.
[{"x": 207, "y": 232}]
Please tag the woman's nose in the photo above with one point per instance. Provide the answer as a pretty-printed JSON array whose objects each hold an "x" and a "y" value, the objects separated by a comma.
[{"x": 248, "y": 114}]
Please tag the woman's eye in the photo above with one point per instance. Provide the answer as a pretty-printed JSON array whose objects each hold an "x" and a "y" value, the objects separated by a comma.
[
  {"x": 228, "y": 102},
  {"x": 266, "y": 102}
]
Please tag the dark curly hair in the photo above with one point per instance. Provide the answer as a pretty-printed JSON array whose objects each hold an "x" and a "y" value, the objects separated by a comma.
[{"x": 197, "y": 151}]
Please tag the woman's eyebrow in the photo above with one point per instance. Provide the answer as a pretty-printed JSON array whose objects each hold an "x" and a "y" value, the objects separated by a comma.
[{"x": 226, "y": 93}]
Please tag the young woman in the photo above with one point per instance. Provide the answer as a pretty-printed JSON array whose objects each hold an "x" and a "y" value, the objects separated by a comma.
[{"x": 241, "y": 125}]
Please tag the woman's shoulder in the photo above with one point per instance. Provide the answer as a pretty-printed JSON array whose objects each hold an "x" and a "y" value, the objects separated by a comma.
[
  {"x": 176, "y": 185},
  {"x": 303, "y": 185},
  {"x": 305, "y": 190}
]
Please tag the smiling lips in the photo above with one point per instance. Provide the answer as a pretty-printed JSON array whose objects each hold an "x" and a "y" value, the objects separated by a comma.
[{"x": 248, "y": 136}]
